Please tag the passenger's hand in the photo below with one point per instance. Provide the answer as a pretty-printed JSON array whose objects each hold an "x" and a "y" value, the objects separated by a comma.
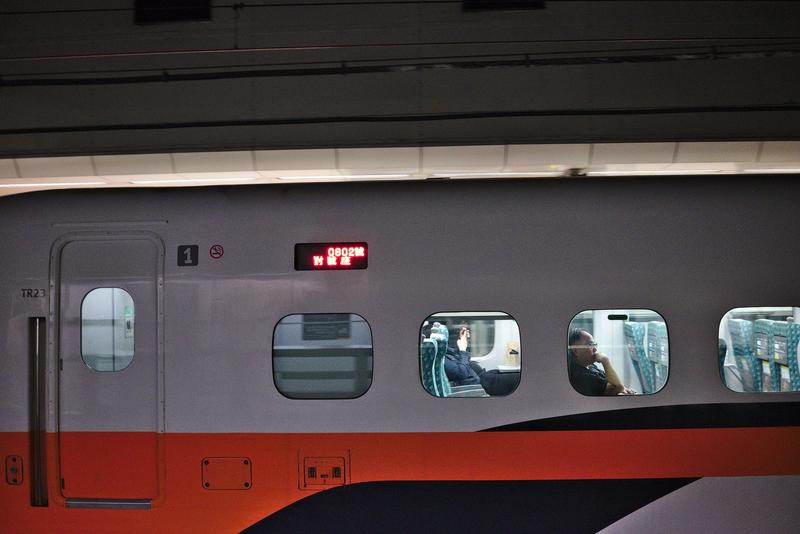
[
  {"x": 629, "y": 391},
  {"x": 599, "y": 357},
  {"x": 462, "y": 343}
]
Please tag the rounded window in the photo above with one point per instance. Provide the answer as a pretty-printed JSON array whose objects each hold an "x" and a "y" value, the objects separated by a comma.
[
  {"x": 618, "y": 352},
  {"x": 758, "y": 349},
  {"x": 322, "y": 356},
  {"x": 469, "y": 354},
  {"x": 107, "y": 329}
]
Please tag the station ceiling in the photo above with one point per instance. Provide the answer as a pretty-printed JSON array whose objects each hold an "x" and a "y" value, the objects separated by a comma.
[
  {"x": 86, "y": 78},
  {"x": 522, "y": 161}
]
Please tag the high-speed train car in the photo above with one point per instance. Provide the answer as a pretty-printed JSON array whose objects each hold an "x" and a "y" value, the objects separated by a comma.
[{"x": 454, "y": 356}]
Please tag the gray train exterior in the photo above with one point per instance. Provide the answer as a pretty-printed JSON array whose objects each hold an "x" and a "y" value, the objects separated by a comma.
[{"x": 690, "y": 248}]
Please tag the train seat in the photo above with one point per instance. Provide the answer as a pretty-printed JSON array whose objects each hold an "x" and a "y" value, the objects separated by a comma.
[
  {"x": 634, "y": 341},
  {"x": 792, "y": 357},
  {"x": 785, "y": 374},
  {"x": 763, "y": 348},
  {"x": 427, "y": 355},
  {"x": 469, "y": 390},
  {"x": 658, "y": 352},
  {"x": 746, "y": 361},
  {"x": 439, "y": 334}
]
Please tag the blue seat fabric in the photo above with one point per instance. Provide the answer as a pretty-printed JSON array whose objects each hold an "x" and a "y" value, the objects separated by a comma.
[
  {"x": 634, "y": 341},
  {"x": 658, "y": 352},
  {"x": 763, "y": 348},
  {"x": 439, "y": 334},
  {"x": 746, "y": 361},
  {"x": 786, "y": 372},
  {"x": 427, "y": 356}
]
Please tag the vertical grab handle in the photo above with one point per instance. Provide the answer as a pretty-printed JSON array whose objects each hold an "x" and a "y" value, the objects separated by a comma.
[{"x": 38, "y": 410}]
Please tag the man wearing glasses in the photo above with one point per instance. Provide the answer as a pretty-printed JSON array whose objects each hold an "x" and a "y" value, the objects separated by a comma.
[{"x": 586, "y": 377}]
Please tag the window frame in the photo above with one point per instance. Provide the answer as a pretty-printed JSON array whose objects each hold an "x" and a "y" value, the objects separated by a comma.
[
  {"x": 625, "y": 311},
  {"x": 467, "y": 316},
  {"x": 328, "y": 398},
  {"x": 753, "y": 312},
  {"x": 133, "y": 307}
]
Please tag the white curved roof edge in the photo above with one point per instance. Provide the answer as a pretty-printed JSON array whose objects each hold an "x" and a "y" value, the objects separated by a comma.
[{"x": 398, "y": 163}]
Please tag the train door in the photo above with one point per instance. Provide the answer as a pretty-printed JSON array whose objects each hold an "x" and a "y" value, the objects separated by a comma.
[{"x": 110, "y": 407}]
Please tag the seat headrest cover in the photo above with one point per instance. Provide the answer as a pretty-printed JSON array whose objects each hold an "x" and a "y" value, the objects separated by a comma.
[{"x": 439, "y": 328}]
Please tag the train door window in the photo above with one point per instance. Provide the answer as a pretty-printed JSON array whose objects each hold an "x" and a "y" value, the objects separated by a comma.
[
  {"x": 758, "y": 349},
  {"x": 469, "y": 354},
  {"x": 107, "y": 329},
  {"x": 322, "y": 356},
  {"x": 618, "y": 352}
]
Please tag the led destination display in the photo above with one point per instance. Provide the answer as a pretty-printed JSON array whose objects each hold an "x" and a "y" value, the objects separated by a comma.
[{"x": 330, "y": 256}]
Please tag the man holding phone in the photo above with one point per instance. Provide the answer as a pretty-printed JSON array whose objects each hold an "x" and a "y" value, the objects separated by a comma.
[{"x": 456, "y": 360}]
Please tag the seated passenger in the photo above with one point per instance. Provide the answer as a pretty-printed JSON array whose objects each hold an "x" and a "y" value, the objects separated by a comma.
[
  {"x": 456, "y": 361},
  {"x": 585, "y": 377},
  {"x": 461, "y": 371}
]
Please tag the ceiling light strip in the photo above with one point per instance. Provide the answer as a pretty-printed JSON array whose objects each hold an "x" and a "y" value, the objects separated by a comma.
[
  {"x": 773, "y": 171},
  {"x": 191, "y": 181},
  {"x": 651, "y": 173},
  {"x": 533, "y": 174},
  {"x": 51, "y": 184},
  {"x": 342, "y": 176}
]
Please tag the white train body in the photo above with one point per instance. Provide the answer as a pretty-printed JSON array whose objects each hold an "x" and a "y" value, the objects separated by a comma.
[{"x": 194, "y": 433}]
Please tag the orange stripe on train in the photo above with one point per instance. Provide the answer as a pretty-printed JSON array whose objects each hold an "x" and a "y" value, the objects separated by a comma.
[{"x": 185, "y": 505}]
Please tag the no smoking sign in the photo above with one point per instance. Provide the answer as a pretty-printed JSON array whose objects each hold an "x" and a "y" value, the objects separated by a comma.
[{"x": 216, "y": 251}]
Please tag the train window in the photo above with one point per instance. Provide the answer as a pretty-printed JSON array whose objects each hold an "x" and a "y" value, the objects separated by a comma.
[
  {"x": 469, "y": 354},
  {"x": 618, "y": 352},
  {"x": 322, "y": 356},
  {"x": 758, "y": 349},
  {"x": 107, "y": 328}
]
